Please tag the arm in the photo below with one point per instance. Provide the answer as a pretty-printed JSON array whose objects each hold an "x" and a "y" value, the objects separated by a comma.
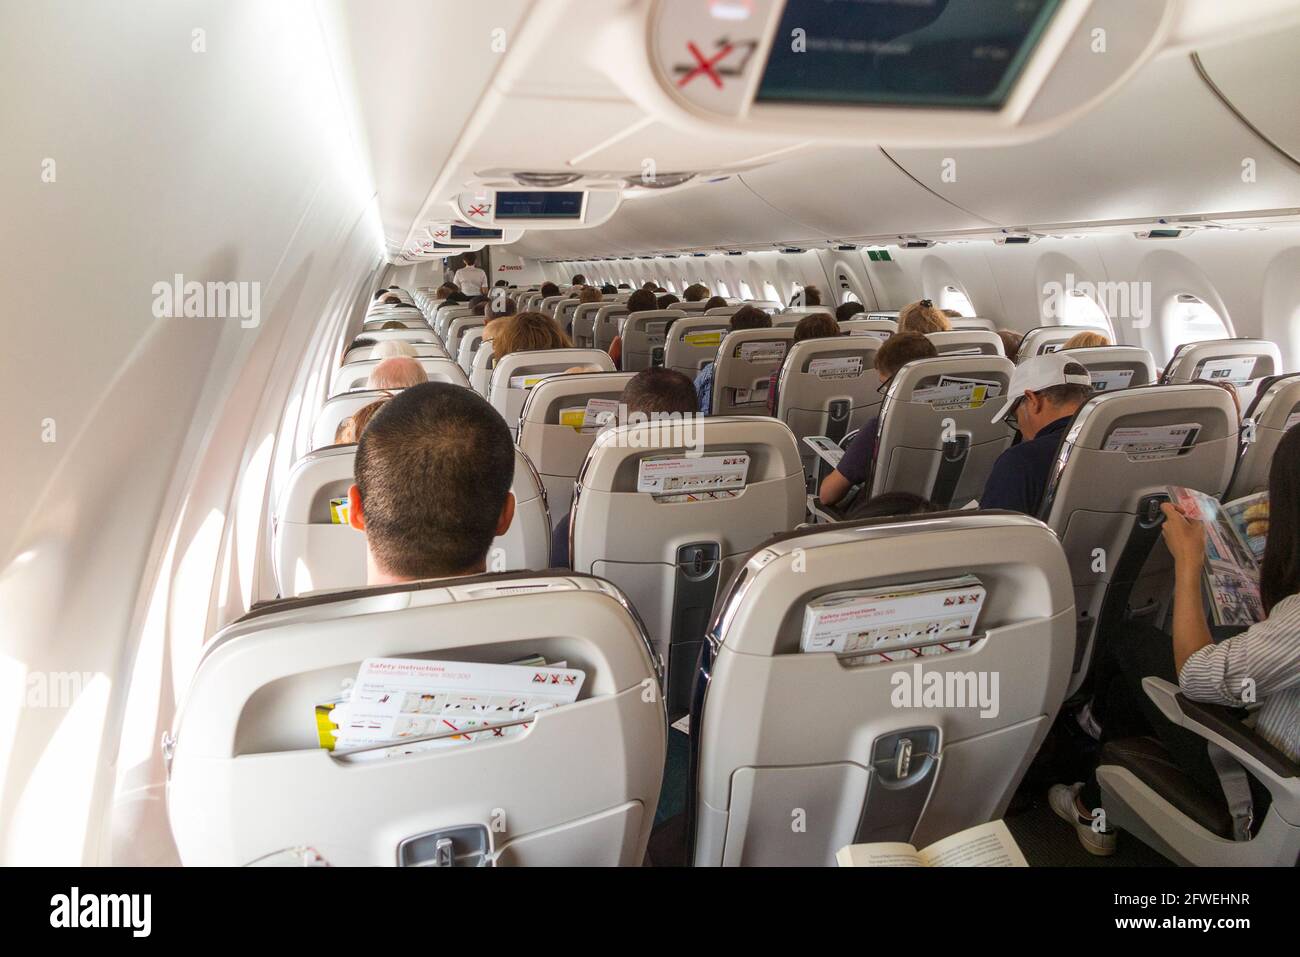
[
  {"x": 1008, "y": 484},
  {"x": 853, "y": 467},
  {"x": 1186, "y": 542},
  {"x": 834, "y": 487}
]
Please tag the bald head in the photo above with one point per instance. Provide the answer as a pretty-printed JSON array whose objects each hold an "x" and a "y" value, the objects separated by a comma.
[
  {"x": 400, "y": 372},
  {"x": 392, "y": 347}
]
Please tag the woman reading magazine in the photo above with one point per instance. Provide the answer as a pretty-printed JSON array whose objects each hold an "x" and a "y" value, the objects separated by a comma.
[{"x": 1258, "y": 666}]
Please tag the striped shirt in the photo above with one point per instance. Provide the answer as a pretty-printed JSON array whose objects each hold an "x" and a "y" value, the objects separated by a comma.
[{"x": 1267, "y": 654}]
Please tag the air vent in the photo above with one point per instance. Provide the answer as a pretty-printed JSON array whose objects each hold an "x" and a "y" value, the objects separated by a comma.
[
  {"x": 546, "y": 180},
  {"x": 659, "y": 180}
]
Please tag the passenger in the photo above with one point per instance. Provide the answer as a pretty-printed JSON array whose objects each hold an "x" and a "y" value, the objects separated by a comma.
[
  {"x": 356, "y": 343},
  {"x": 456, "y": 298},
  {"x": 392, "y": 324},
  {"x": 1086, "y": 340},
  {"x": 642, "y": 300},
  {"x": 622, "y": 286},
  {"x": 891, "y": 504},
  {"x": 506, "y": 307},
  {"x": 433, "y": 474},
  {"x": 847, "y": 310},
  {"x": 746, "y": 317},
  {"x": 715, "y": 302},
  {"x": 478, "y": 306},
  {"x": 445, "y": 290},
  {"x": 352, "y": 426},
  {"x": 528, "y": 332},
  {"x": 471, "y": 280},
  {"x": 1256, "y": 666},
  {"x": 655, "y": 394},
  {"x": 818, "y": 325},
  {"x": 1010, "y": 342},
  {"x": 579, "y": 280},
  {"x": 666, "y": 301},
  {"x": 923, "y": 317},
  {"x": 501, "y": 284},
  {"x": 894, "y": 353},
  {"x": 549, "y": 289},
  {"x": 590, "y": 294},
  {"x": 952, "y": 313},
  {"x": 391, "y": 348},
  {"x": 1045, "y": 393},
  {"x": 400, "y": 372},
  {"x": 649, "y": 285},
  {"x": 812, "y": 296},
  {"x": 696, "y": 292},
  {"x": 609, "y": 289},
  {"x": 390, "y": 300}
]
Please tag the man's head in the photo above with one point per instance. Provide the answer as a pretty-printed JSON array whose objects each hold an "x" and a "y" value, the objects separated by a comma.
[
  {"x": 667, "y": 300},
  {"x": 499, "y": 308},
  {"x": 641, "y": 300},
  {"x": 578, "y": 280},
  {"x": 715, "y": 302},
  {"x": 847, "y": 310},
  {"x": 1044, "y": 389},
  {"x": 390, "y": 348},
  {"x": 1010, "y": 342},
  {"x": 900, "y": 349},
  {"x": 590, "y": 294},
  {"x": 399, "y": 372},
  {"x": 750, "y": 317},
  {"x": 469, "y": 259},
  {"x": 660, "y": 391},
  {"x": 812, "y": 296},
  {"x": 393, "y": 324},
  {"x": 446, "y": 289},
  {"x": 549, "y": 289},
  {"x": 433, "y": 474},
  {"x": 818, "y": 325},
  {"x": 649, "y": 285},
  {"x": 696, "y": 292}
]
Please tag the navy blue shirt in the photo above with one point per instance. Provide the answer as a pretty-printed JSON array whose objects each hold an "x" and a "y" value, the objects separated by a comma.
[
  {"x": 1019, "y": 476},
  {"x": 857, "y": 457}
]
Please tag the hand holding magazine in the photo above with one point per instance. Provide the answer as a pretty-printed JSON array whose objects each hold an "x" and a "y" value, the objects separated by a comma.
[{"x": 1234, "y": 545}]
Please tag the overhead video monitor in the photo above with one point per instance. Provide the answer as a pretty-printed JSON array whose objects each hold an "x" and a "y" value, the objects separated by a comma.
[
  {"x": 942, "y": 53},
  {"x": 539, "y": 204},
  {"x": 474, "y": 232}
]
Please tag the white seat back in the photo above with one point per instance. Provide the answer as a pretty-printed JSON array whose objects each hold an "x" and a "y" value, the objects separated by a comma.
[
  {"x": 354, "y": 374},
  {"x": 470, "y": 344},
  {"x": 456, "y": 330},
  {"x": 973, "y": 322},
  {"x": 1115, "y": 367},
  {"x": 1275, "y": 409},
  {"x": 1108, "y": 500},
  {"x": 338, "y": 408},
  {"x": 312, "y": 553},
  {"x": 941, "y": 451},
  {"x": 966, "y": 342},
  {"x": 879, "y": 328},
  {"x": 644, "y": 337},
  {"x": 424, "y": 334},
  {"x": 692, "y": 343},
  {"x": 681, "y": 550},
  {"x": 410, "y": 321},
  {"x": 508, "y": 398},
  {"x": 860, "y": 749},
  {"x": 1045, "y": 339},
  {"x": 745, "y": 362},
  {"x": 1241, "y": 362},
  {"x": 564, "y": 314},
  {"x": 427, "y": 350},
  {"x": 446, "y": 313},
  {"x": 558, "y": 450},
  {"x": 607, "y": 323},
  {"x": 584, "y": 317},
  {"x": 248, "y": 777}
]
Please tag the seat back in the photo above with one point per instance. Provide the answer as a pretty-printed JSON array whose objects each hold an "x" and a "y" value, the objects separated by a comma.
[
  {"x": 692, "y": 343},
  {"x": 1115, "y": 367},
  {"x": 564, "y": 312},
  {"x": 644, "y": 337},
  {"x": 482, "y": 359},
  {"x": 1044, "y": 339},
  {"x": 828, "y": 387},
  {"x": 354, "y": 374},
  {"x": 547, "y": 305},
  {"x": 425, "y": 350},
  {"x": 694, "y": 308},
  {"x": 338, "y": 408},
  {"x": 880, "y": 329},
  {"x": 446, "y": 313},
  {"x": 518, "y": 372},
  {"x": 966, "y": 342},
  {"x": 314, "y": 553},
  {"x": 606, "y": 325},
  {"x": 1275, "y": 409},
  {"x": 728, "y": 310},
  {"x": 691, "y": 534},
  {"x": 422, "y": 334},
  {"x": 584, "y": 318},
  {"x": 412, "y": 320},
  {"x": 1103, "y": 503},
  {"x": 973, "y": 322},
  {"x": 745, "y": 362},
  {"x": 935, "y": 437},
  {"x": 456, "y": 331},
  {"x": 1241, "y": 362},
  {"x": 855, "y": 744},
  {"x": 578, "y": 786},
  {"x": 883, "y": 314},
  {"x": 554, "y": 446}
]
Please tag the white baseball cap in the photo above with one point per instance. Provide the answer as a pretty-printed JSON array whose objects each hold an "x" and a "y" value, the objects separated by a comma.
[{"x": 1039, "y": 373}]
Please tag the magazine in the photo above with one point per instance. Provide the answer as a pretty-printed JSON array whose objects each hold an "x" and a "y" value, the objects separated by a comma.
[
  {"x": 1234, "y": 545},
  {"x": 985, "y": 845}
]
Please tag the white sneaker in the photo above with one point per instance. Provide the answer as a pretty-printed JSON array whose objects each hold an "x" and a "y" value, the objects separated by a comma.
[{"x": 1063, "y": 800}]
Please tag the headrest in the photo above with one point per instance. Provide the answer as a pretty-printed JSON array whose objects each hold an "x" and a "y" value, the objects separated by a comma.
[
  {"x": 960, "y": 342},
  {"x": 1236, "y": 361},
  {"x": 355, "y": 374}
]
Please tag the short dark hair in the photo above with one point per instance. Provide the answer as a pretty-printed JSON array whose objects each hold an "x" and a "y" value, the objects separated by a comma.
[
  {"x": 660, "y": 391},
  {"x": 1071, "y": 393},
  {"x": 579, "y": 280},
  {"x": 456, "y": 298},
  {"x": 667, "y": 300},
  {"x": 901, "y": 348},
  {"x": 750, "y": 317},
  {"x": 362, "y": 341},
  {"x": 812, "y": 296},
  {"x": 641, "y": 300},
  {"x": 433, "y": 468},
  {"x": 469, "y": 258},
  {"x": 847, "y": 310},
  {"x": 818, "y": 325},
  {"x": 549, "y": 289},
  {"x": 501, "y": 282},
  {"x": 608, "y": 288},
  {"x": 649, "y": 284},
  {"x": 715, "y": 302},
  {"x": 695, "y": 292}
]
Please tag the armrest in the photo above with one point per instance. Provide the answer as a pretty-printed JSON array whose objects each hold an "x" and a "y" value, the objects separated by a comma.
[{"x": 1222, "y": 726}]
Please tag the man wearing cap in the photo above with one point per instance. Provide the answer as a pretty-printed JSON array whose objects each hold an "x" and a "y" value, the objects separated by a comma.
[{"x": 1044, "y": 394}]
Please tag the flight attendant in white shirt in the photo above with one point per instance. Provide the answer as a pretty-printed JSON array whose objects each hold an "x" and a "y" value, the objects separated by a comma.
[{"x": 471, "y": 280}]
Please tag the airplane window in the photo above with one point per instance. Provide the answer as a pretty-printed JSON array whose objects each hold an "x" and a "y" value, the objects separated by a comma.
[
  {"x": 796, "y": 289},
  {"x": 770, "y": 293},
  {"x": 722, "y": 288},
  {"x": 954, "y": 298},
  {"x": 1080, "y": 309},
  {"x": 846, "y": 290},
  {"x": 671, "y": 287},
  {"x": 1192, "y": 320},
  {"x": 745, "y": 291}
]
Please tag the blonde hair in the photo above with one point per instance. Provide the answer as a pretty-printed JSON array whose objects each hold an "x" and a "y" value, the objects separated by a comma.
[
  {"x": 922, "y": 317},
  {"x": 590, "y": 294},
  {"x": 1085, "y": 340},
  {"x": 528, "y": 332}
]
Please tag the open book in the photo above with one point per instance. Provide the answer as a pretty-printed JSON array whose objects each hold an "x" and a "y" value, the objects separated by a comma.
[
  {"x": 985, "y": 845},
  {"x": 1234, "y": 545}
]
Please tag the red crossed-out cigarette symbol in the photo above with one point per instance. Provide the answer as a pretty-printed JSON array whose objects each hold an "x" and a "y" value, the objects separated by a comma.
[
  {"x": 705, "y": 66},
  {"x": 479, "y": 210},
  {"x": 440, "y": 234}
]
